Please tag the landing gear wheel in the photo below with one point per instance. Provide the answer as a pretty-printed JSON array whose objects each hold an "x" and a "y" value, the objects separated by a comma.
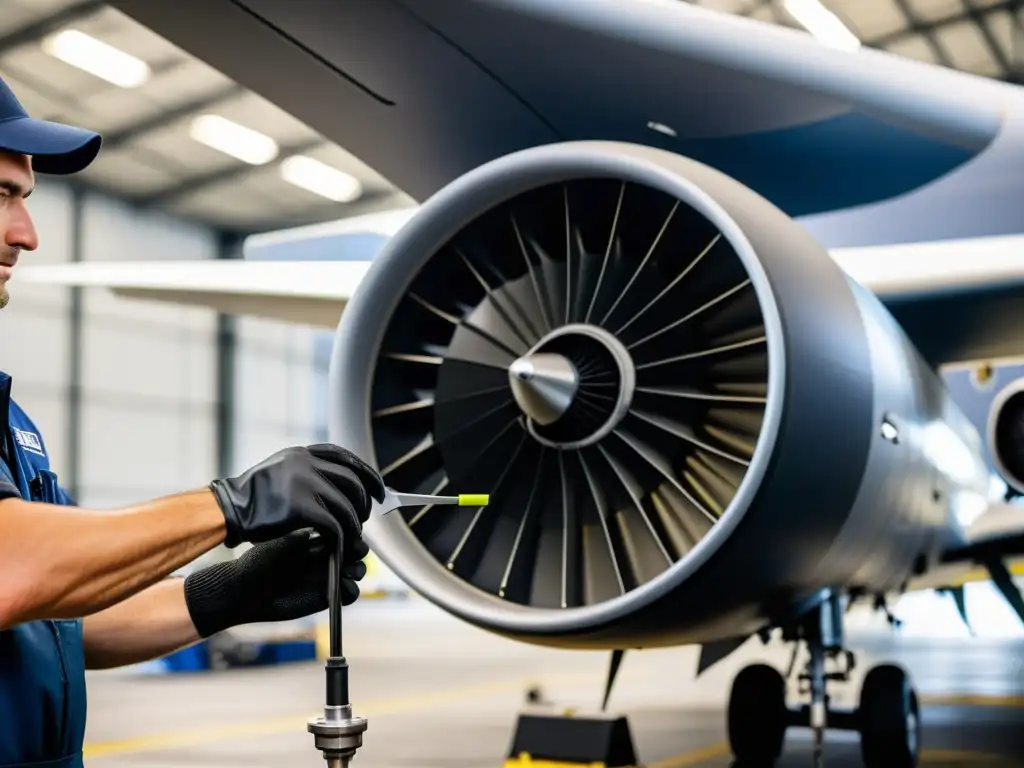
[
  {"x": 757, "y": 715},
  {"x": 890, "y": 722}
]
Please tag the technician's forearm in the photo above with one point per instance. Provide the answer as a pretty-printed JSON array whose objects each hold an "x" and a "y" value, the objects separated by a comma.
[
  {"x": 61, "y": 562},
  {"x": 146, "y": 626}
]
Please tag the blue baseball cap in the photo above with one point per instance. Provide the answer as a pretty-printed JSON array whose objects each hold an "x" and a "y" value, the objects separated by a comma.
[{"x": 55, "y": 148}]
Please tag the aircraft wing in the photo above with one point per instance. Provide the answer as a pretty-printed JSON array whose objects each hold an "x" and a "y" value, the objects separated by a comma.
[
  {"x": 307, "y": 292},
  {"x": 424, "y": 92},
  {"x": 996, "y": 534},
  {"x": 957, "y": 300},
  {"x": 992, "y": 548}
]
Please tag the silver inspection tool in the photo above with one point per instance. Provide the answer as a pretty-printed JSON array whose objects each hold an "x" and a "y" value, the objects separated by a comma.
[
  {"x": 339, "y": 733},
  {"x": 393, "y": 500}
]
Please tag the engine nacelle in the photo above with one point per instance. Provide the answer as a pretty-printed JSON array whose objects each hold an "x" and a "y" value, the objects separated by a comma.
[
  {"x": 689, "y": 419},
  {"x": 1005, "y": 434}
]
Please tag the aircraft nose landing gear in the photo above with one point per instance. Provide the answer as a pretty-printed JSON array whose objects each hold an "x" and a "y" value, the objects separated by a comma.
[{"x": 887, "y": 717}]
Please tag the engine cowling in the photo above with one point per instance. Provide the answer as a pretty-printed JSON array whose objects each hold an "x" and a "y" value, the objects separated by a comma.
[
  {"x": 1005, "y": 434},
  {"x": 689, "y": 419}
]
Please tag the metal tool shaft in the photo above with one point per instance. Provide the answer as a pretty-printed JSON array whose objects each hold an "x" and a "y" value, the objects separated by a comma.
[
  {"x": 394, "y": 500},
  {"x": 338, "y": 733},
  {"x": 334, "y": 601},
  {"x": 415, "y": 499}
]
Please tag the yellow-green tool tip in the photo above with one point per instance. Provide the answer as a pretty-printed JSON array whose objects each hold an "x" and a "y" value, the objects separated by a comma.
[{"x": 473, "y": 499}]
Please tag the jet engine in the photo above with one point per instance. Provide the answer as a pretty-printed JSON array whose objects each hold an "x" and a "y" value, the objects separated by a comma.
[
  {"x": 1005, "y": 434},
  {"x": 689, "y": 419}
]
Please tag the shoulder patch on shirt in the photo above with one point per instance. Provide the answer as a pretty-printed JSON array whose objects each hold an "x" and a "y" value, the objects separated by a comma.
[{"x": 29, "y": 441}]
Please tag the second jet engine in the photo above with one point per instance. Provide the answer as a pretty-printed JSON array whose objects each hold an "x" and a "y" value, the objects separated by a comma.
[{"x": 1005, "y": 434}]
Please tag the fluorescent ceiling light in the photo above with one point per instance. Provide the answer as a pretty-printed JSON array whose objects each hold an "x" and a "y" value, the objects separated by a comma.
[
  {"x": 320, "y": 179},
  {"x": 823, "y": 24},
  {"x": 233, "y": 139},
  {"x": 97, "y": 58}
]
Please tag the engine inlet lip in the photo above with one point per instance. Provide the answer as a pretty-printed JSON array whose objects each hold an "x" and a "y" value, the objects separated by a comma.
[{"x": 386, "y": 282}]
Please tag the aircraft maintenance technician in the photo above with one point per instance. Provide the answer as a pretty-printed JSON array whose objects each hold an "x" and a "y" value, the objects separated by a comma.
[{"x": 85, "y": 589}]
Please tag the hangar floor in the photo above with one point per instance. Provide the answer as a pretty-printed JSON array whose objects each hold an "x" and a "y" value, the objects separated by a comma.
[{"x": 439, "y": 694}]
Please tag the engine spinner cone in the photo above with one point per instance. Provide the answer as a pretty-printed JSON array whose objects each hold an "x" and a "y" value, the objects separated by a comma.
[{"x": 543, "y": 385}]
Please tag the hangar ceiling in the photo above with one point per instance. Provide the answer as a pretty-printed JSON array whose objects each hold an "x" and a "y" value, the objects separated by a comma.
[
  {"x": 154, "y": 105},
  {"x": 163, "y": 113},
  {"x": 984, "y": 37}
]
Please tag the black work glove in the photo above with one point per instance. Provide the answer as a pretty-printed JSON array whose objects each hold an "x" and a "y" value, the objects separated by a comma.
[
  {"x": 323, "y": 486},
  {"x": 279, "y": 580}
]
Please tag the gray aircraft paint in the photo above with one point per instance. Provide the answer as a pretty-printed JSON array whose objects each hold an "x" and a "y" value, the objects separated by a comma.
[
  {"x": 973, "y": 399},
  {"x": 838, "y": 363},
  {"x": 424, "y": 92}
]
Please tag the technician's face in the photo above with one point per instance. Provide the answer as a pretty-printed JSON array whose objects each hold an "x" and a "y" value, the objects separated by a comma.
[{"x": 16, "y": 227}]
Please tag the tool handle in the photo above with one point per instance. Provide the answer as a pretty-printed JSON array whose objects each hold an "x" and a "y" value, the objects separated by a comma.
[
  {"x": 334, "y": 597},
  {"x": 336, "y": 666}
]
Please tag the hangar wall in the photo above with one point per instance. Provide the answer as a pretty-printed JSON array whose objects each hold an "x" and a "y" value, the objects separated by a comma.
[
  {"x": 128, "y": 395},
  {"x": 123, "y": 392},
  {"x": 148, "y": 371},
  {"x": 274, "y": 389},
  {"x": 281, "y": 369}
]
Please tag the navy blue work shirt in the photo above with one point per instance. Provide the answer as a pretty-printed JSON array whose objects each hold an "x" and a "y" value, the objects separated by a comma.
[{"x": 42, "y": 663}]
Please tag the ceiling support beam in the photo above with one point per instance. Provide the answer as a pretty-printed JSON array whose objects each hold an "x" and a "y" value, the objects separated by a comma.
[
  {"x": 372, "y": 202},
  {"x": 916, "y": 27},
  {"x": 195, "y": 184},
  {"x": 121, "y": 137},
  {"x": 37, "y": 30},
  {"x": 978, "y": 17}
]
